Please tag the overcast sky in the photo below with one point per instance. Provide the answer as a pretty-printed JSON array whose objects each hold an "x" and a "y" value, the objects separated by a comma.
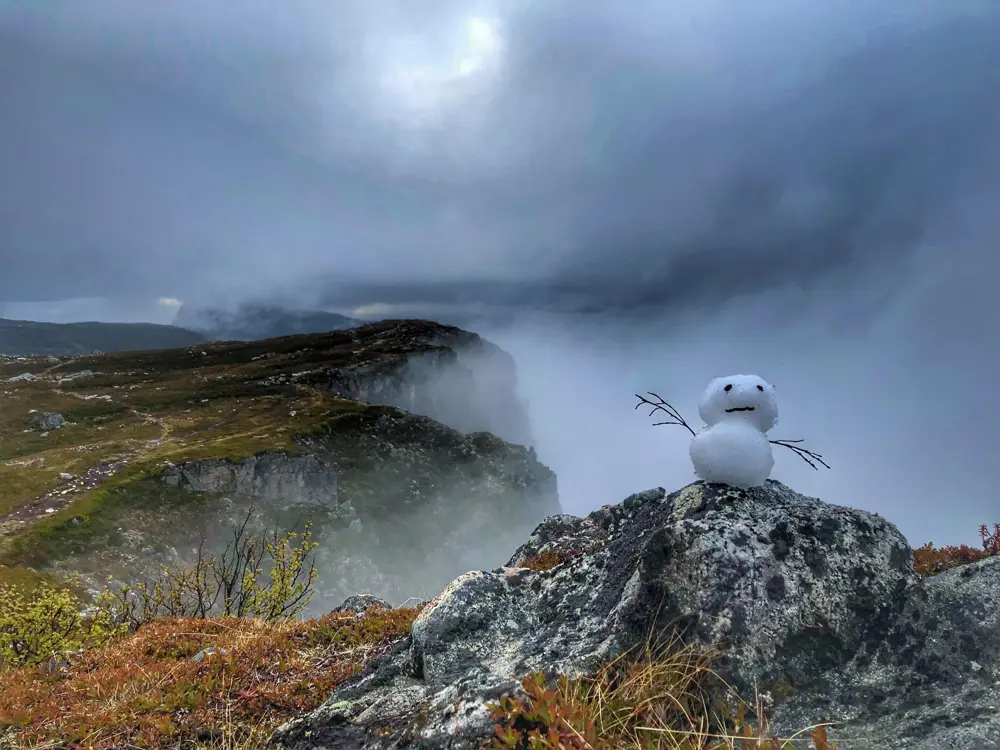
[{"x": 636, "y": 196}]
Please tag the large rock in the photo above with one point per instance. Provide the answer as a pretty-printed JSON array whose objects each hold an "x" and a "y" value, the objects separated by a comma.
[
  {"x": 790, "y": 588},
  {"x": 47, "y": 420},
  {"x": 933, "y": 683}
]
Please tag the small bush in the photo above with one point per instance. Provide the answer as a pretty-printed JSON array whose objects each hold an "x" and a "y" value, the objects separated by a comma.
[
  {"x": 548, "y": 559},
  {"x": 48, "y": 623},
  {"x": 930, "y": 560},
  {"x": 229, "y": 586}
]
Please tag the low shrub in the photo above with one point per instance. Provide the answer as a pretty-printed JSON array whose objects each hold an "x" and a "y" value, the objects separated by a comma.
[{"x": 930, "y": 560}]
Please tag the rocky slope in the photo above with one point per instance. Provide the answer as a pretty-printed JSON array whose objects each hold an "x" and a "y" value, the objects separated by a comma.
[
  {"x": 815, "y": 605},
  {"x": 27, "y": 337},
  {"x": 113, "y": 464}
]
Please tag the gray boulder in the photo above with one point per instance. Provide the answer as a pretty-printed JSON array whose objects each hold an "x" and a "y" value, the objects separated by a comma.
[
  {"x": 47, "y": 420},
  {"x": 791, "y": 589},
  {"x": 361, "y": 603},
  {"x": 933, "y": 683}
]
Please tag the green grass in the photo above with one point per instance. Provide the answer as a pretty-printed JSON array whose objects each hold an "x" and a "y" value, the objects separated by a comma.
[{"x": 103, "y": 511}]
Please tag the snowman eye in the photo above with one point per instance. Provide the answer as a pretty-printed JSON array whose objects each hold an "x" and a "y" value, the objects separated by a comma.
[
  {"x": 728, "y": 388},
  {"x": 760, "y": 388}
]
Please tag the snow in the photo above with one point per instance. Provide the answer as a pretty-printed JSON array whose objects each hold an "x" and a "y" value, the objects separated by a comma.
[
  {"x": 744, "y": 392},
  {"x": 732, "y": 452},
  {"x": 733, "y": 448}
]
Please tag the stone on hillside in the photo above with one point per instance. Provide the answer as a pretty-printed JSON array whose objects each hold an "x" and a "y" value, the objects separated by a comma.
[
  {"x": 24, "y": 377},
  {"x": 209, "y": 652},
  {"x": 789, "y": 587},
  {"x": 76, "y": 375},
  {"x": 361, "y": 603},
  {"x": 47, "y": 420}
]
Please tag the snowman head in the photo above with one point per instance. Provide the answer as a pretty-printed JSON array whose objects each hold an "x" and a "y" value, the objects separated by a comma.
[{"x": 745, "y": 397}]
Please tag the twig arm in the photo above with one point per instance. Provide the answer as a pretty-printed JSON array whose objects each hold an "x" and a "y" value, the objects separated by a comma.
[
  {"x": 660, "y": 405},
  {"x": 806, "y": 455}
]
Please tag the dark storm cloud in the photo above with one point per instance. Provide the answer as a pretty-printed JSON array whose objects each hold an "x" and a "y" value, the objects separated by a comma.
[
  {"x": 650, "y": 194},
  {"x": 612, "y": 160}
]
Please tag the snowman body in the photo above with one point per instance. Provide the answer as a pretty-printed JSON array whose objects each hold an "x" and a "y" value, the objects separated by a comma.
[
  {"x": 732, "y": 452},
  {"x": 734, "y": 449}
]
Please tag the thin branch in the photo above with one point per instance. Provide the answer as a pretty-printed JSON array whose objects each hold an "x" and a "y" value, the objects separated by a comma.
[
  {"x": 661, "y": 405},
  {"x": 805, "y": 455}
]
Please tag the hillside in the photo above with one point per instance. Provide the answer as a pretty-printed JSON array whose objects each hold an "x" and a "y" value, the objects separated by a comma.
[
  {"x": 157, "y": 447},
  {"x": 249, "y": 322},
  {"x": 27, "y": 337}
]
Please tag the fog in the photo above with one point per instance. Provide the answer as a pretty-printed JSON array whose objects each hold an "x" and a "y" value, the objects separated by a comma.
[{"x": 900, "y": 408}]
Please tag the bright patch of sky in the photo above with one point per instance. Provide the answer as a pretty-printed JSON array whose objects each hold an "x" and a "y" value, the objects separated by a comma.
[{"x": 422, "y": 72}]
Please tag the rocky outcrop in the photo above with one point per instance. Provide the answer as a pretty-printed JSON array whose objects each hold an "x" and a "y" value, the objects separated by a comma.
[
  {"x": 932, "y": 683},
  {"x": 791, "y": 589},
  {"x": 435, "y": 370},
  {"x": 272, "y": 476},
  {"x": 442, "y": 372},
  {"x": 814, "y": 605}
]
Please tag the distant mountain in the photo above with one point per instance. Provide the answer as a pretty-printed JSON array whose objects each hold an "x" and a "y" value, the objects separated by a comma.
[
  {"x": 252, "y": 322},
  {"x": 24, "y": 337}
]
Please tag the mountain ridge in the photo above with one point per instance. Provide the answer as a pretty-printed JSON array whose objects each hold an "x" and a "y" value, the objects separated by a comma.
[{"x": 34, "y": 338}]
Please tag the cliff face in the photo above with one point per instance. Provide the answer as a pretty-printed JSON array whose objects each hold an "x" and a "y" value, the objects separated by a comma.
[
  {"x": 159, "y": 448},
  {"x": 442, "y": 372}
]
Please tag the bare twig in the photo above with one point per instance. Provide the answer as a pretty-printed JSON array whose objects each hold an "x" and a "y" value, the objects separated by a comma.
[
  {"x": 661, "y": 405},
  {"x": 805, "y": 455}
]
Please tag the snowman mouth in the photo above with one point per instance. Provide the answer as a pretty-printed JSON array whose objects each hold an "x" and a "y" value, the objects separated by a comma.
[{"x": 739, "y": 408}]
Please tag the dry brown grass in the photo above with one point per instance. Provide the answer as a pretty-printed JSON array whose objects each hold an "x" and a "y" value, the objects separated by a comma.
[
  {"x": 666, "y": 696},
  {"x": 548, "y": 559},
  {"x": 146, "y": 690}
]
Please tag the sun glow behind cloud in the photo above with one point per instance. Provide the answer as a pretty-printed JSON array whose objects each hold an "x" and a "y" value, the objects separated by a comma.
[{"x": 424, "y": 74}]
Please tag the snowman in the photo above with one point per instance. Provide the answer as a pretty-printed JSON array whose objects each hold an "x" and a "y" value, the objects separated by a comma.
[{"x": 734, "y": 448}]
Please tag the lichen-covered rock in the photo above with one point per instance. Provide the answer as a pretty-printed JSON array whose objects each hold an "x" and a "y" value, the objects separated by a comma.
[
  {"x": 932, "y": 683},
  {"x": 787, "y": 586}
]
